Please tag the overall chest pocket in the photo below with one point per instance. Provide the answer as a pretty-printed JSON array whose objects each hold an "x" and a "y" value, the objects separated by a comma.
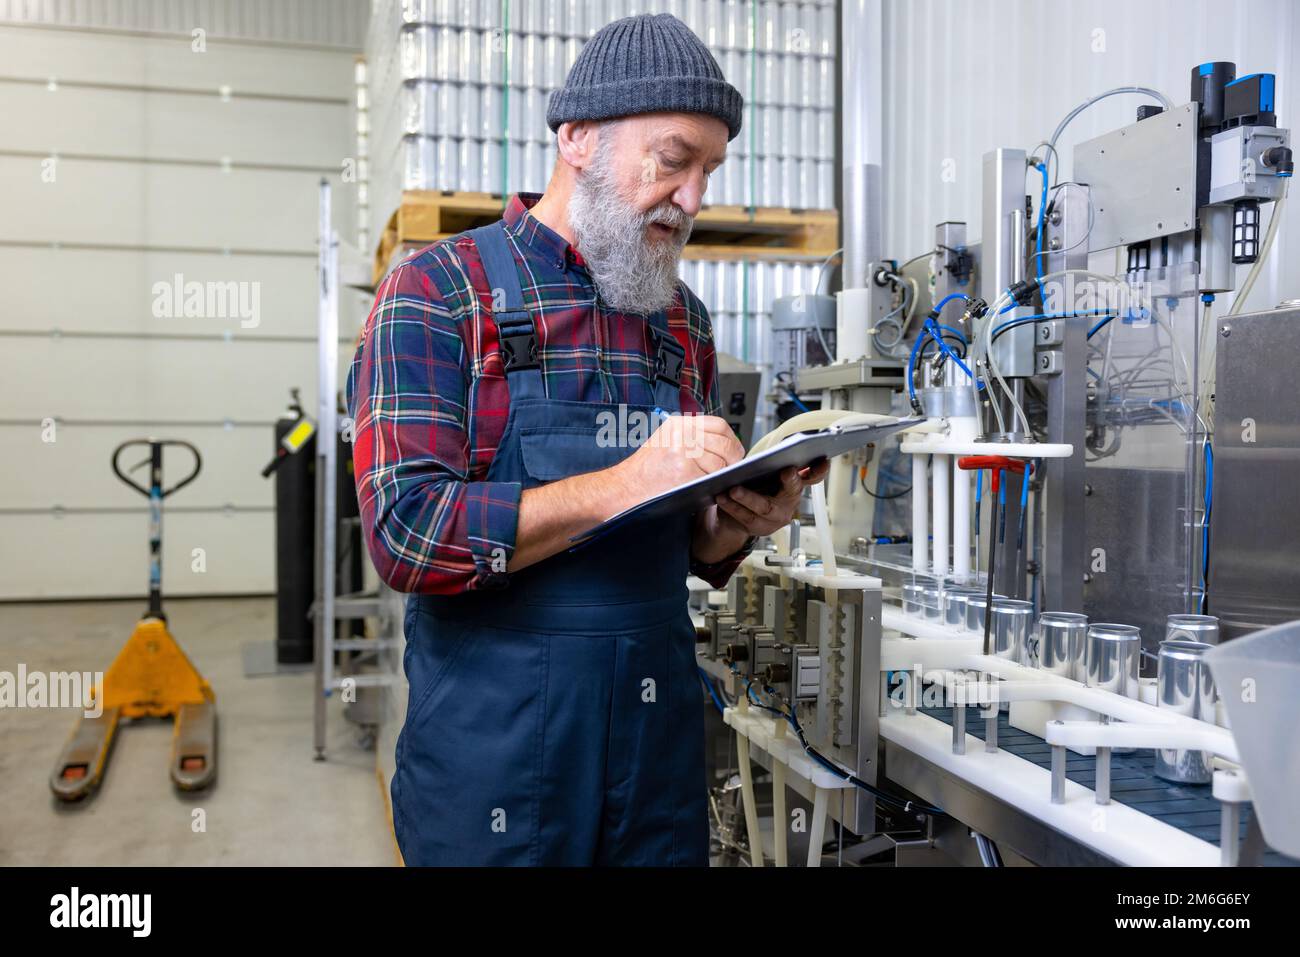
[{"x": 557, "y": 452}]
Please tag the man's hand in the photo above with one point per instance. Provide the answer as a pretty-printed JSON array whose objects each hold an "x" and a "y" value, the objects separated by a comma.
[
  {"x": 762, "y": 515},
  {"x": 683, "y": 448},
  {"x": 740, "y": 513}
]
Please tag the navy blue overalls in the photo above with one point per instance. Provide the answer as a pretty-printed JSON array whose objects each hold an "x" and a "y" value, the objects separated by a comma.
[{"x": 558, "y": 721}]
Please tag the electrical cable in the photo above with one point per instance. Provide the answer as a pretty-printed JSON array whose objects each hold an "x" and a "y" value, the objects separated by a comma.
[
  {"x": 821, "y": 339},
  {"x": 799, "y": 403},
  {"x": 905, "y": 806},
  {"x": 1099, "y": 326},
  {"x": 1042, "y": 217},
  {"x": 885, "y": 497},
  {"x": 1092, "y": 220},
  {"x": 916, "y": 259},
  {"x": 930, "y": 341},
  {"x": 937, "y": 336},
  {"x": 911, "y": 309},
  {"x": 907, "y": 287},
  {"x": 789, "y": 388},
  {"x": 1205, "y": 527},
  {"x": 1004, "y": 303},
  {"x": 825, "y": 271},
  {"x": 911, "y": 366},
  {"x": 888, "y": 319},
  {"x": 949, "y": 298},
  {"x": 1044, "y": 317},
  {"x": 1034, "y": 160},
  {"x": 708, "y": 686},
  {"x": 1060, "y": 127}
]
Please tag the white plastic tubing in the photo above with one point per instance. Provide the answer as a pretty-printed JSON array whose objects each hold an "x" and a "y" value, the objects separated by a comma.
[{"x": 819, "y": 419}]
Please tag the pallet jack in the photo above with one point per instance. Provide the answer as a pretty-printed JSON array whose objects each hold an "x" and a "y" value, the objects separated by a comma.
[{"x": 151, "y": 676}]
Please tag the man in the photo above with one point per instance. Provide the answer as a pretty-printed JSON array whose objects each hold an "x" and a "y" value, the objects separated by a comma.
[{"x": 555, "y": 713}]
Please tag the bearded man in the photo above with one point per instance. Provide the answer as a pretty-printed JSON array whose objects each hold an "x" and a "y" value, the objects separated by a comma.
[{"x": 555, "y": 713}]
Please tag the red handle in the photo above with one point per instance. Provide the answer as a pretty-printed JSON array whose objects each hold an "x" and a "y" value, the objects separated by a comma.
[
  {"x": 991, "y": 462},
  {"x": 996, "y": 463}
]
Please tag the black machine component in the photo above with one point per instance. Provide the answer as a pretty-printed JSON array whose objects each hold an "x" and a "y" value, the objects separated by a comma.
[
  {"x": 1245, "y": 231},
  {"x": 1139, "y": 256},
  {"x": 959, "y": 263},
  {"x": 295, "y": 546},
  {"x": 294, "y": 468},
  {"x": 1248, "y": 101},
  {"x": 1227, "y": 102},
  {"x": 1209, "y": 81},
  {"x": 1280, "y": 159}
]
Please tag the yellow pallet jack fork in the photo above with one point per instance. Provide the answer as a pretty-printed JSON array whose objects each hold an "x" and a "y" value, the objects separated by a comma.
[{"x": 151, "y": 676}]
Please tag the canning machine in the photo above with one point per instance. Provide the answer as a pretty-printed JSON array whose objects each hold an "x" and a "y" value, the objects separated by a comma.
[{"x": 1054, "y": 623}]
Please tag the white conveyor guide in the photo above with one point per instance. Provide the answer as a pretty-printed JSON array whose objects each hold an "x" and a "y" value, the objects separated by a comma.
[{"x": 1121, "y": 833}]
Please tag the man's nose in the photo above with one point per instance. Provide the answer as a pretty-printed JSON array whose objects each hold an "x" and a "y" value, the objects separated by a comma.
[{"x": 689, "y": 196}]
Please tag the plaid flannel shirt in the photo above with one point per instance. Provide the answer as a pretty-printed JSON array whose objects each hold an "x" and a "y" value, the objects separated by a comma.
[{"x": 428, "y": 397}]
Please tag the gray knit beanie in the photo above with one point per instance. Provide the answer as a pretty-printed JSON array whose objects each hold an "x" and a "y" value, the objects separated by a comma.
[{"x": 645, "y": 64}]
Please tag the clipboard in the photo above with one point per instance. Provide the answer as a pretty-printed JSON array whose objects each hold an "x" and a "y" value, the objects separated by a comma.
[{"x": 760, "y": 473}]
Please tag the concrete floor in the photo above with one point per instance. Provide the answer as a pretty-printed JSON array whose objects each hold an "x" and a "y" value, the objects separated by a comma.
[{"x": 271, "y": 803}]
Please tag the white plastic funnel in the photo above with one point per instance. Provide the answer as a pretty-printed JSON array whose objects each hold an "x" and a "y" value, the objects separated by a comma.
[{"x": 1258, "y": 678}]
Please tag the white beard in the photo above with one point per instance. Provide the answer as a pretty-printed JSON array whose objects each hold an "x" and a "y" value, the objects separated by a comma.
[{"x": 633, "y": 271}]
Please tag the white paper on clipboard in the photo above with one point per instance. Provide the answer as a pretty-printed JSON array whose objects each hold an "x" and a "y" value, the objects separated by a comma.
[{"x": 760, "y": 472}]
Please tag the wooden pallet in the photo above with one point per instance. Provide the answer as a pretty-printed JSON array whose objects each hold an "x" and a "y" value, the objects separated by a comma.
[
  {"x": 729, "y": 233},
  {"x": 427, "y": 216},
  {"x": 741, "y": 232}
]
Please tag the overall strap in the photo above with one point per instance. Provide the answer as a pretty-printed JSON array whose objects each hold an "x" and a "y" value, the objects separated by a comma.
[
  {"x": 515, "y": 329},
  {"x": 669, "y": 359}
]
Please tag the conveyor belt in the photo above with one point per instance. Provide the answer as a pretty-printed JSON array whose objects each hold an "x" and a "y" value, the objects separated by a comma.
[{"x": 1191, "y": 808}]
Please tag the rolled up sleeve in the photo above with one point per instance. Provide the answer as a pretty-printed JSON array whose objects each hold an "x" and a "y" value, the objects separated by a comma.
[{"x": 427, "y": 526}]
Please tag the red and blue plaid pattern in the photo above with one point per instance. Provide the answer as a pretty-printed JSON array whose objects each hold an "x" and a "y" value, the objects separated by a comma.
[{"x": 428, "y": 397}]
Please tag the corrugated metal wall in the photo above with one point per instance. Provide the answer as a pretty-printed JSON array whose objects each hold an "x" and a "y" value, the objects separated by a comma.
[
  {"x": 966, "y": 76},
  {"x": 331, "y": 23}
]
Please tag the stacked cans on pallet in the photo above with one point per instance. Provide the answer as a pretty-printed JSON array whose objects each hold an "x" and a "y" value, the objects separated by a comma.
[{"x": 459, "y": 88}]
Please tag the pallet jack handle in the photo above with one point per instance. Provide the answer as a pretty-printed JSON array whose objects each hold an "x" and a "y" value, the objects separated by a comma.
[
  {"x": 155, "y": 493},
  {"x": 155, "y": 461}
]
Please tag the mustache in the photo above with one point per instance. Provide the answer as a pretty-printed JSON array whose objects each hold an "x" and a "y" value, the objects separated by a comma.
[{"x": 667, "y": 214}]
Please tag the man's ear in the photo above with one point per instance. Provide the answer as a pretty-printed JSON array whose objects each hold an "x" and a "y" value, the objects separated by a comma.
[{"x": 576, "y": 142}]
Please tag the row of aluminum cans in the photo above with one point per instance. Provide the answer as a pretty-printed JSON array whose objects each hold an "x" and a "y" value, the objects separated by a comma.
[
  {"x": 490, "y": 165},
  {"x": 739, "y": 297},
  {"x": 428, "y": 108},
  {"x": 775, "y": 24},
  {"x": 472, "y": 55},
  {"x": 747, "y": 287}
]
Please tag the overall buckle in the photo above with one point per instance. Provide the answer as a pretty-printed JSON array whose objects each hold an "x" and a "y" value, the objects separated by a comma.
[
  {"x": 669, "y": 359},
  {"x": 518, "y": 340}
]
